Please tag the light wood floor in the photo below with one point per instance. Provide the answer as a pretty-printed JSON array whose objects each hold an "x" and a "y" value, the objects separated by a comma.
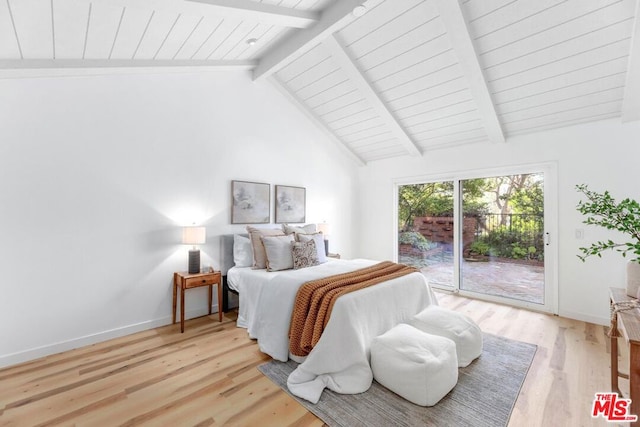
[{"x": 208, "y": 376}]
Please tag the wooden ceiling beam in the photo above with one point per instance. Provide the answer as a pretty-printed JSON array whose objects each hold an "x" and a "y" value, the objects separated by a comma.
[
  {"x": 341, "y": 57},
  {"x": 12, "y": 68},
  {"x": 631, "y": 100},
  {"x": 335, "y": 17},
  {"x": 245, "y": 10},
  {"x": 265, "y": 13},
  {"x": 456, "y": 25}
]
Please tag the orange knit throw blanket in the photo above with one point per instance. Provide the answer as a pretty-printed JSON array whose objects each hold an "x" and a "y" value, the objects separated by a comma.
[{"x": 315, "y": 300}]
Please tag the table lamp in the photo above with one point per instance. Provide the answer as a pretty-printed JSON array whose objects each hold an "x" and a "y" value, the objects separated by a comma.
[
  {"x": 194, "y": 236},
  {"x": 324, "y": 229}
]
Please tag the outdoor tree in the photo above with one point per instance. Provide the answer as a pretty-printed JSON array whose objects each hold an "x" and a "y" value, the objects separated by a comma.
[
  {"x": 509, "y": 211},
  {"x": 436, "y": 199},
  {"x": 529, "y": 200},
  {"x": 414, "y": 199},
  {"x": 503, "y": 189}
]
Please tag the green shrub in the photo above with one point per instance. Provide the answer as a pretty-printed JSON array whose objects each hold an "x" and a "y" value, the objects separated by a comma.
[
  {"x": 480, "y": 247},
  {"x": 416, "y": 240},
  {"x": 518, "y": 252},
  {"x": 510, "y": 243}
]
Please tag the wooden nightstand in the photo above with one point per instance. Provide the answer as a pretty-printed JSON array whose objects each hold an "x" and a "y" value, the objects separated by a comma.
[
  {"x": 184, "y": 280},
  {"x": 336, "y": 256}
]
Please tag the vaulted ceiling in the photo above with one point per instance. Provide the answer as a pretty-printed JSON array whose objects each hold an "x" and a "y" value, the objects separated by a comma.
[{"x": 382, "y": 78}]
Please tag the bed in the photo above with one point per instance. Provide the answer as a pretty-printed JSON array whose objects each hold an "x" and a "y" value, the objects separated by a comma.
[{"x": 340, "y": 359}]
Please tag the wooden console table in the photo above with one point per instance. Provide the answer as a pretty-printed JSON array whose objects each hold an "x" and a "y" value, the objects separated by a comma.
[{"x": 626, "y": 324}]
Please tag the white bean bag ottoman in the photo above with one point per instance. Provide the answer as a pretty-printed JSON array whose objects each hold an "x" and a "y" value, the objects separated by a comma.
[
  {"x": 418, "y": 366},
  {"x": 453, "y": 325}
]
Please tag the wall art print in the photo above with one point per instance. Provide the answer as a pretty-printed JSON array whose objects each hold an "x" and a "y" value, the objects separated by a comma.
[
  {"x": 290, "y": 204},
  {"x": 250, "y": 202}
]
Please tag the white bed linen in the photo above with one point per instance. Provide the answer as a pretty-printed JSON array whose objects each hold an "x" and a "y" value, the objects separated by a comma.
[
  {"x": 267, "y": 313},
  {"x": 340, "y": 360},
  {"x": 247, "y": 282}
]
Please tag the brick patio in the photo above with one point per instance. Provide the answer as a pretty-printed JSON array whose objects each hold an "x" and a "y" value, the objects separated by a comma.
[{"x": 505, "y": 279}]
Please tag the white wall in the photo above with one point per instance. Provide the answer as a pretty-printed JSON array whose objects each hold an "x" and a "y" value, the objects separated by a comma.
[
  {"x": 97, "y": 174},
  {"x": 603, "y": 155}
]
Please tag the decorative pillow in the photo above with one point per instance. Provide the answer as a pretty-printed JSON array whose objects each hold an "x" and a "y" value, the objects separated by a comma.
[
  {"x": 259, "y": 254},
  {"x": 319, "y": 239},
  {"x": 242, "y": 251},
  {"x": 305, "y": 229},
  {"x": 278, "y": 249},
  {"x": 304, "y": 254}
]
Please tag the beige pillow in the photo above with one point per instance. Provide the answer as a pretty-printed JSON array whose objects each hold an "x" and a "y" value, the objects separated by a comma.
[
  {"x": 259, "y": 253},
  {"x": 304, "y": 229}
]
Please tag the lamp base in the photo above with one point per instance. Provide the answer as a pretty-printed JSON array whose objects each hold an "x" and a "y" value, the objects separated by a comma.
[
  {"x": 326, "y": 247},
  {"x": 194, "y": 261}
]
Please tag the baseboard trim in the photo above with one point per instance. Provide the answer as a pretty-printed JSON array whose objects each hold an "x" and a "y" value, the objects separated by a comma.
[
  {"x": 59, "y": 347},
  {"x": 605, "y": 321}
]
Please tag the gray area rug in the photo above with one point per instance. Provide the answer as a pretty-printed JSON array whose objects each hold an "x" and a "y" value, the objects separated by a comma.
[{"x": 486, "y": 392}]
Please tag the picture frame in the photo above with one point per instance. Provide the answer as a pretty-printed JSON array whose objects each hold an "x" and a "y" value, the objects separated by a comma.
[
  {"x": 290, "y": 204},
  {"x": 250, "y": 202}
]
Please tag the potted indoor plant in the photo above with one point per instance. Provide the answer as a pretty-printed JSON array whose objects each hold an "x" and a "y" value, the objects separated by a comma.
[{"x": 624, "y": 216}]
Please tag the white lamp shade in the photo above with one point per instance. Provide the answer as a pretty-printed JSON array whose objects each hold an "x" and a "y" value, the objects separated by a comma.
[
  {"x": 194, "y": 235},
  {"x": 323, "y": 228}
]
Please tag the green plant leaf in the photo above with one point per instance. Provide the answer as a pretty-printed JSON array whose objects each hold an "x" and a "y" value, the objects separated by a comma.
[{"x": 602, "y": 210}]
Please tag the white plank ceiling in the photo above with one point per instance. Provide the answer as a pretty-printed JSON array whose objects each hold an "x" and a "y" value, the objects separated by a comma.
[{"x": 404, "y": 78}]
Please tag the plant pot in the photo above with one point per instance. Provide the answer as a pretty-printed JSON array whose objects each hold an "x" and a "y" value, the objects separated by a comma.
[{"x": 633, "y": 279}]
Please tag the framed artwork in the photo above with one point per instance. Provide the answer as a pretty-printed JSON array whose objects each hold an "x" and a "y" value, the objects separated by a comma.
[
  {"x": 290, "y": 204},
  {"x": 250, "y": 202}
]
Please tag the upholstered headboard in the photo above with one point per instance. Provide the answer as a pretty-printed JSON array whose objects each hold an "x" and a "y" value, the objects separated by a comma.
[
  {"x": 226, "y": 262},
  {"x": 226, "y": 252}
]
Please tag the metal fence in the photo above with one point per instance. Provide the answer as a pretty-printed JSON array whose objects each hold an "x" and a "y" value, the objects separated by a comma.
[{"x": 511, "y": 234}]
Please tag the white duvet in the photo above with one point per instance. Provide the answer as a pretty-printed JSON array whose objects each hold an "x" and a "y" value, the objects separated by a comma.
[{"x": 340, "y": 360}]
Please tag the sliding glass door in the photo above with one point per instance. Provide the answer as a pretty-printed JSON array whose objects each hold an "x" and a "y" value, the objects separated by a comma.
[
  {"x": 484, "y": 234},
  {"x": 426, "y": 224},
  {"x": 503, "y": 249}
]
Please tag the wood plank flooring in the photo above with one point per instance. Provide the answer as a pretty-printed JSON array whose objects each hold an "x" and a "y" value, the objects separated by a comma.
[{"x": 208, "y": 377}]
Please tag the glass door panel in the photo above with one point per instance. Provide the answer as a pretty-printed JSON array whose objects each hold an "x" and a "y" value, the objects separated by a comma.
[
  {"x": 426, "y": 230},
  {"x": 503, "y": 237}
]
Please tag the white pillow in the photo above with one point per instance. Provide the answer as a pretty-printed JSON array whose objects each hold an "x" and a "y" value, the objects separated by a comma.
[
  {"x": 318, "y": 238},
  {"x": 278, "y": 249},
  {"x": 242, "y": 251},
  {"x": 304, "y": 229}
]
